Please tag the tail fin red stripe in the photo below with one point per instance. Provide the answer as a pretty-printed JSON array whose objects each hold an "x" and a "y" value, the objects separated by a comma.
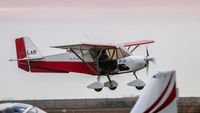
[
  {"x": 170, "y": 98},
  {"x": 21, "y": 53},
  {"x": 161, "y": 96},
  {"x": 20, "y": 48}
]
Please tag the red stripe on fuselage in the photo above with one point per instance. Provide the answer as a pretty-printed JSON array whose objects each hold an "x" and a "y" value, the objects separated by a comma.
[
  {"x": 54, "y": 66},
  {"x": 159, "y": 99}
]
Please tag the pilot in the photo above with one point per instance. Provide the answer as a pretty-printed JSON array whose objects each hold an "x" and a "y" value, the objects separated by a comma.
[
  {"x": 102, "y": 60},
  {"x": 105, "y": 63},
  {"x": 104, "y": 56}
]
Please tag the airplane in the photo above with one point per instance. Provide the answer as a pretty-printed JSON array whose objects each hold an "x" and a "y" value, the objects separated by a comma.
[
  {"x": 87, "y": 58},
  {"x": 159, "y": 96},
  {"x": 19, "y": 108}
]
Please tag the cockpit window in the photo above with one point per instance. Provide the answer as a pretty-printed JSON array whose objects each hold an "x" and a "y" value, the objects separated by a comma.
[{"x": 18, "y": 109}]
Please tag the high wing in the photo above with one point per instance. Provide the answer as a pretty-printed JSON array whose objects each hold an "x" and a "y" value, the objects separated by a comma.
[
  {"x": 135, "y": 43},
  {"x": 85, "y": 45}
]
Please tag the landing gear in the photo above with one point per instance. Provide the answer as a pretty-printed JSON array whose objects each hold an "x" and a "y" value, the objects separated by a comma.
[
  {"x": 112, "y": 88},
  {"x": 97, "y": 86},
  {"x": 139, "y": 84},
  {"x": 139, "y": 87},
  {"x": 98, "y": 89},
  {"x": 111, "y": 84}
]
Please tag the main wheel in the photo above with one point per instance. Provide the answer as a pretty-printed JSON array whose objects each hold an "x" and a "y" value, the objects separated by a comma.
[
  {"x": 139, "y": 87},
  {"x": 98, "y": 89},
  {"x": 112, "y": 88}
]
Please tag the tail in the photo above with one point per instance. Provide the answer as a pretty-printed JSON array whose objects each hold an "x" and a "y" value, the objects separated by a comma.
[
  {"x": 159, "y": 96},
  {"x": 26, "y": 50}
]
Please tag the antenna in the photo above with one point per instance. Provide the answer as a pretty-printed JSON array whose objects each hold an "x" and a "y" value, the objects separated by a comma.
[{"x": 87, "y": 37}]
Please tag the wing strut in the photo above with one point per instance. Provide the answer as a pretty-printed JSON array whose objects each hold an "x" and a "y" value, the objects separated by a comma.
[
  {"x": 134, "y": 48},
  {"x": 83, "y": 61}
]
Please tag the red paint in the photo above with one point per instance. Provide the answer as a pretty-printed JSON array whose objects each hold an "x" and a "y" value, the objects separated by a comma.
[
  {"x": 138, "y": 42},
  {"x": 169, "y": 99},
  {"x": 23, "y": 64},
  {"x": 45, "y": 70},
  {"x": 159, "y": 99},
  {"x": 21, "y": 53},
  {"x": 20, "y": 48},
  {"x": 125, "y": 44},
  {"x": 60, "y": 67}
]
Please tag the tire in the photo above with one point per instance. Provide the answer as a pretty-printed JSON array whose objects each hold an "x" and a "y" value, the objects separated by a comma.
[
  {"x": 112, "y": 88},
  {"x": 139, "y": 87},
  {"x": 98, "y": 89}
]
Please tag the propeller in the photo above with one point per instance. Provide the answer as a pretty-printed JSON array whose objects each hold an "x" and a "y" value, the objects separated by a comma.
[{"x": 148, "y": 58}]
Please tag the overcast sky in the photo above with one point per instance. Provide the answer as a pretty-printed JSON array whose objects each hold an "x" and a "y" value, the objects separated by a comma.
[{"x": 173, "y": 24}]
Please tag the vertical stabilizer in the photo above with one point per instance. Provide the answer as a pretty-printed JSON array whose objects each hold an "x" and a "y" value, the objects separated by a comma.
[
  {"x": 32, "y": 51},
  {"x": 159, "y": 95},
  {"x": 26, "y": 50}
]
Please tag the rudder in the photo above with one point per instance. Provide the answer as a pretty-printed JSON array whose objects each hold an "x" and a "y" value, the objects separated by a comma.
[
  {"x": 20, "y": 48},
  {"x": 26, "y": 51},
  {"x": 21, "y": 53}
]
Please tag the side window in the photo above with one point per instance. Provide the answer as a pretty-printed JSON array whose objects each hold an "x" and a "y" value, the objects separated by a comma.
[
  {"x": 18, "y": 109},
  {"x": 115, "y": 53},
  {"x": 123, "y": 67}
]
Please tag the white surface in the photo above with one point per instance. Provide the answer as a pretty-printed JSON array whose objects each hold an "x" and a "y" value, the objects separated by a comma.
[{"x": 153, "y": 91}]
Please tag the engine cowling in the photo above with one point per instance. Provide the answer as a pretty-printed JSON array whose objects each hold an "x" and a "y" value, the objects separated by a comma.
[{"x": 131, "y": 63}]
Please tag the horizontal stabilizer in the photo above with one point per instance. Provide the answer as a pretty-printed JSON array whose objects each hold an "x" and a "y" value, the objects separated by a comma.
[{"x": 35, "y": 58}]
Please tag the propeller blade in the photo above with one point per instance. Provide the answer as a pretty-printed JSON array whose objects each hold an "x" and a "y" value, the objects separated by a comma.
[
  {"x": 147, "y": 51},
  {"x": 154, "y": 60},
  {"x": 147, "y": 68}
]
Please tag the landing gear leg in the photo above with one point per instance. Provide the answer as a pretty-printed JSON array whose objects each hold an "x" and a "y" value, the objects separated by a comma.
[
  {"x": 111, "y": 83},
  {"x": 139, "y": 84},
  {"x": 134, "y": 73},
  {"x": 137, "y": 87}
]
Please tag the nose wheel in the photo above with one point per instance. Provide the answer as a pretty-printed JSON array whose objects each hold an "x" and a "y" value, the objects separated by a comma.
[
  {"x": 111, "y": 84},
  {"x": 139, "y": 84}
]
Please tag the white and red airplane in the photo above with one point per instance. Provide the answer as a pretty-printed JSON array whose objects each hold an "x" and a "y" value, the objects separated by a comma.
[
  {"x": 159, "y": 96},
  {"x": 88, "y": 58}
]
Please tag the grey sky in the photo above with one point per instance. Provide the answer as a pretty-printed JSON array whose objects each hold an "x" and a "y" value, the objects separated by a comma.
[{"x": 174, "y": 26}]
